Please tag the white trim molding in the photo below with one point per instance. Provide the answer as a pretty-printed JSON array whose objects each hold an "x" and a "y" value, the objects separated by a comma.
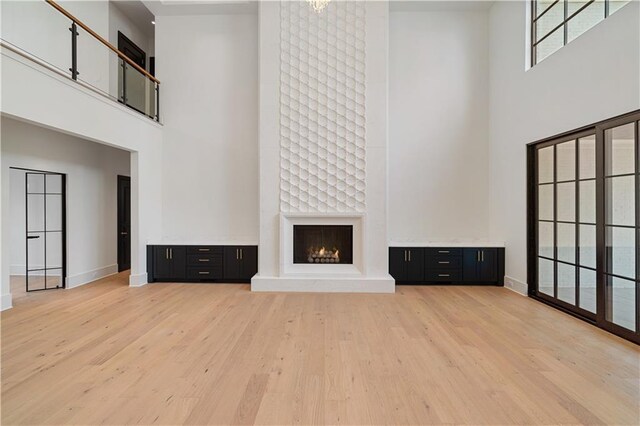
[
  {"x": 515, "y": 285},
  {"x": 138, "y": 280},
  {"x": 91, "y": 276},
  {"x": 6, "y": 302},
  {"x": 324, "y": 285}
]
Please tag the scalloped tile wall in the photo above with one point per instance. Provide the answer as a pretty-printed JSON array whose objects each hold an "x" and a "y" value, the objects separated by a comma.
[{"x": 322, "y": 108}]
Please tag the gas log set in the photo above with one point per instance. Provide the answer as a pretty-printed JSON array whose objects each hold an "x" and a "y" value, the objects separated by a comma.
[{"x": 323, "y": 255}]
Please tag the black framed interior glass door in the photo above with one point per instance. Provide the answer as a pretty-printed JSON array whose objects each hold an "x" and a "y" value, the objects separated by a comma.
[
  {"x": 45, "y": 231},
  {"x": 566, "y": 223},
  {"x": 621, "y": 229},
  {"x": 584, "y": 223}
]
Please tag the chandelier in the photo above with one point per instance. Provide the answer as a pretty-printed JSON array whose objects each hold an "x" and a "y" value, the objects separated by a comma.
[{"x": 318, "y": 5}]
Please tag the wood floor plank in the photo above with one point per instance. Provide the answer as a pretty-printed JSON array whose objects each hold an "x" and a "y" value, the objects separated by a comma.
[{"x": 106, "y": 353}]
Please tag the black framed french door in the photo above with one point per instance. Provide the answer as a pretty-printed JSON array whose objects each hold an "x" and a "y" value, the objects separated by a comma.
[
  {"x": 584, "y": 223},
  {"x": 45, "y": 218},
  {"x": 620, "y": 234}
]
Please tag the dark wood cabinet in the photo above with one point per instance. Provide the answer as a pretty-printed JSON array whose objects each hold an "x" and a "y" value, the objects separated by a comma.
[
  {"x": 480, "y": 265},
  {"x": 240, "y": 262},
  {"x": 169, "y": 262},
  {"x": 406, "y": 264},
  {"x": 202, "y": 263},
  {"x": 442, "y": 265}
]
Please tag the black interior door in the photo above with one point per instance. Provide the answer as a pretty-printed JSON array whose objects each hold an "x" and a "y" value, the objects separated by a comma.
[
  {"x": 133, "y": 86},
  {"x": 131, "y": 50},
  {"x": 124, "y": 223},
  {"x": 45, "y": 210}
]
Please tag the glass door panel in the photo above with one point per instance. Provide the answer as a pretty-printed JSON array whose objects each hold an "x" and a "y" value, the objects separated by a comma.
[
  {"x": 45, "y": 228},
  {"x": 566, "y": 198},
  {"x": 621, "y": 230}
]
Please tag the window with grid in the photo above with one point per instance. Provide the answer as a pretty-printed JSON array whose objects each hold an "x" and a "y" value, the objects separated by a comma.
[{"x": 554, "y": 23}]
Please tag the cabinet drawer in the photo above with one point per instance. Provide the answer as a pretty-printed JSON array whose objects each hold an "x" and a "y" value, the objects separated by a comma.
[
  {"x": 444, "y": 275},
  {"x": 443, "y": 251},
  {"x": 204, "y": 273},
  {"x": 204, "y": 250},
  {"x": 444, "y": 262},
  {"x": 204, "y": 260}
]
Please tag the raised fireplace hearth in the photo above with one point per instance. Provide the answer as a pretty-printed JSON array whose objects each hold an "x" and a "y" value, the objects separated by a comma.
[{"x": 323, "y": 244}]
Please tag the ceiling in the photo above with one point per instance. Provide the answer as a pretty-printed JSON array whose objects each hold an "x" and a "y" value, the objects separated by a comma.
[
  {"x": 431, "y": 5},
  {"x": 200, "y": 7},
  {"x": 206, "y": 7},
  {"x": 138, "y": 13}
]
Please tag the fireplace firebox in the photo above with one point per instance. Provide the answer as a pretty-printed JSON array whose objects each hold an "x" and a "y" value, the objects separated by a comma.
[{"x": 323, "y": 244}]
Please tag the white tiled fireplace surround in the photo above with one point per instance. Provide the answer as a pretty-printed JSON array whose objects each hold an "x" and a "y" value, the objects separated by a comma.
[{"x": 323, "y": 141}]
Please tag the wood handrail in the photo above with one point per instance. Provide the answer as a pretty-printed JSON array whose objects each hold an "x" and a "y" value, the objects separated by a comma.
[{"x": 101, "y": 40}]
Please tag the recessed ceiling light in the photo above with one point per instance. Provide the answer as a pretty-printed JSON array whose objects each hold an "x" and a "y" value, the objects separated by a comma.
[{"x": 153, "y": 22}]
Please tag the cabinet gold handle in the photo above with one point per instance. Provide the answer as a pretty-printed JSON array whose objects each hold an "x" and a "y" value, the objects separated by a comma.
[
  {"x": 482, "y": 257},
  {"x": 241, "y": 254},
  {"x": 203, "y": 273},
  {"x": 443, "y": 275},
  {"x": 409, "y": 255},
  {"x": 478, "y": 253},
  {"x": 166, "y": 253},
  {"x": 203, "y": 260},
  {"x": 443, "y": 251},
  {"x": 203, "y": 249},
  {"x": 443, "y": 263},
  {"x": 405, "y": 255}
]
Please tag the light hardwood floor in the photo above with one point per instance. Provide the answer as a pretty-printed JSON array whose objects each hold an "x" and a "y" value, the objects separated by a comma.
[{"x": 219, "y": 354}]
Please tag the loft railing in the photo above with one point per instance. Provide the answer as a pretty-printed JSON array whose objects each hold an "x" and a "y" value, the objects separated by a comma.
[{"x": 34, "y": 29}]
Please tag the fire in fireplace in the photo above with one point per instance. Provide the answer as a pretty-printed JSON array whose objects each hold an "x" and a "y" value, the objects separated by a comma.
[{"x": 323, "y": 244}]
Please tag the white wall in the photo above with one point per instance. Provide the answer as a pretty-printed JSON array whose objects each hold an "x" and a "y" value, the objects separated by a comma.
[
  {"x": 209, "y": 69},
  {"x": 119, "y": 21},
  {"x": 22, "y": 82},
  {"x": 439, "y": 161},
  {"x": 41, "y": 30},
  {"x": 92, "y": 171},
  {"x": 593, "y": 78}
]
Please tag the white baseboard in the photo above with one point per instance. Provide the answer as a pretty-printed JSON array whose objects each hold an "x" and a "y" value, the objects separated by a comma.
[
  {"x": 324, "y": 285},
  {"x": 17, "y": 269},
  {"x": 515, "y": 285},
  {"x": 5, "y": 302},
  {"x": 91, "y": 276},
  {"x": 138, "y": 280}
]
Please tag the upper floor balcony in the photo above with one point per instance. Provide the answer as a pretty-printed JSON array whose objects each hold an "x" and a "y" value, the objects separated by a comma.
[{"x": 77, "y": 40}]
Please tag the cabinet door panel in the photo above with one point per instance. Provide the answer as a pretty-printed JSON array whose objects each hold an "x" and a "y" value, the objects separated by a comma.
[
  {"x": 249, "y": 262},
  {"x": 232, "y": 263},
  {"x": 415, "y": 265},
  {"x": 397, "y": 264},
  {"x": 162, "y": 267},
  {"x": 470, "y": 260},
  {"x": 178, "y": 259},
  {"x": 488, "y": 266}
]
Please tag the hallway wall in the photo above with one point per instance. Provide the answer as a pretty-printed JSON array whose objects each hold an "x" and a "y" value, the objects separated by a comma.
[{"x": 92, "y": 171}]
